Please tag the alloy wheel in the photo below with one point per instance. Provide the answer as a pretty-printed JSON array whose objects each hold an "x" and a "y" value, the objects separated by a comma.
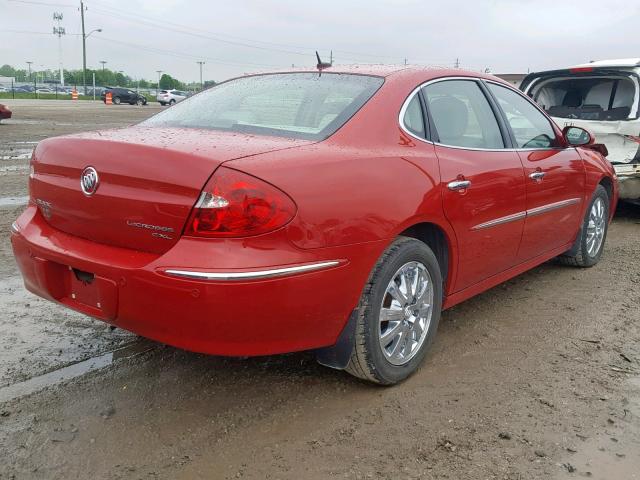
[
  {"x": 596, "y": 227},
  {"x": 405, "y": 313}
]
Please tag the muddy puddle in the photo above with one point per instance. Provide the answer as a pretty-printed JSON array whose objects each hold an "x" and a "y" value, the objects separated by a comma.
[
  {"x": 74, "y": 370},
  {"x": 10, "y": 202},
  {"x": 38, "y": 336}
]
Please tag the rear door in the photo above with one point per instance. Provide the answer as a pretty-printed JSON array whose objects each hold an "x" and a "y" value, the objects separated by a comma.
[
  {"x": 483, "y": 185},
  {"x": 554, "y": 175}
]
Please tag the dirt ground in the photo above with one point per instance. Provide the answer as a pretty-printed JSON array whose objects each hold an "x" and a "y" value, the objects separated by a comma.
[{"x": 536, "y": 378}]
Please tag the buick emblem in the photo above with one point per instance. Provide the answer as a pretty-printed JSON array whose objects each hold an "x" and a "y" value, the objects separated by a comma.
[{"x": 89, "y": 181}]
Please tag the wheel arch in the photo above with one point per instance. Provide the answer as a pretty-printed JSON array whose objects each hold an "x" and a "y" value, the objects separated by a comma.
[
  {"x": 440, "y": 242},
  {"x": 607, "y": 183}
]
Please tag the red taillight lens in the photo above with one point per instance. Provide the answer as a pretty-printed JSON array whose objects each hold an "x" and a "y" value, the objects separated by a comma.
[
  {"x": 234, "y": 204},
  {"x": 581, "y": 69}
]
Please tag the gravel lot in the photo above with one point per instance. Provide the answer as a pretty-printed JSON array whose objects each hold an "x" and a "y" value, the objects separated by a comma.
[{"x": 537, "y": 378}]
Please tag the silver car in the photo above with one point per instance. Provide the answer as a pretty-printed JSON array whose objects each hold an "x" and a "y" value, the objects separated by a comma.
[{"x": 169, "y": 97}]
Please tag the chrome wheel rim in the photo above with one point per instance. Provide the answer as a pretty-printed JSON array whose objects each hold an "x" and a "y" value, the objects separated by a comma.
[
  {"x": 596, "y": 227},
  {"x": 405, "y": 313}
]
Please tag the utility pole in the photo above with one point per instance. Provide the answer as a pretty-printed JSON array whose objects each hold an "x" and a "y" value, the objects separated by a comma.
[
  {"x": 201, "y": 84},
  {"x": 29, "y": 63},
  {"x": 457, "y": 64},
  {"x": 405, "y": 61},
  {"x": 158, "y": 88},
  {"x": 103, "y": 62},
  {"x": 84, "y": 50},
  {"x": 59, "y": 31}
]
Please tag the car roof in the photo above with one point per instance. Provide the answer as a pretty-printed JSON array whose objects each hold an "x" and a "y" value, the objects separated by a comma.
[
  {"x": 417, "y": 73},
  {"x": 616, "y": 62}
]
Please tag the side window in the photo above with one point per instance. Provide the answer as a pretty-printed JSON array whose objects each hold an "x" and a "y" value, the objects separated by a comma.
[
  {"x": 530, "y": 127},
  {"x": 462, "y": 115},
  {"x": 413, "y": 119}
]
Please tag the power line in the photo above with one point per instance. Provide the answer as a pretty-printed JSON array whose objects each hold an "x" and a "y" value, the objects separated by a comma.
[
  {"x": 184, "y": 55},
  {"x": 48, "y": 4}
]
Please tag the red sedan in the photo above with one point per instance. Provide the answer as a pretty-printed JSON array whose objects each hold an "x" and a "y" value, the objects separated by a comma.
[
  {"x": 4, "y": 112},
  {"x": 293, "y": 211}
]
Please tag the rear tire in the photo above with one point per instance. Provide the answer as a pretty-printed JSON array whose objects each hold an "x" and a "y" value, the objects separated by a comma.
[
  {"x": 380, "y": 355},
  {"x": 593, "y": 233}
]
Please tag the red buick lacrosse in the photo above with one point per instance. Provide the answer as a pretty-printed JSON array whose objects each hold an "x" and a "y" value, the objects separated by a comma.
[{"x": 338, "y": 211}]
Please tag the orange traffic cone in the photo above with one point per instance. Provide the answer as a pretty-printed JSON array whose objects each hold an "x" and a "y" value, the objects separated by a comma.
[
  {"x": 74, "y": 94},
  {"x": 108, "y": 98}
]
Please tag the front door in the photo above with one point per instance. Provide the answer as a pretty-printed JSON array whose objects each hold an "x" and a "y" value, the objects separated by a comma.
[
  {"x": 483, "y": 184},
  {"x": 554, "y": 176}
]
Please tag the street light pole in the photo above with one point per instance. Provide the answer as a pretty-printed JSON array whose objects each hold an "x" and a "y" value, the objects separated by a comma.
[
  {"x": 158, "y": 87},
  {"x": 59, "y": 31},
  {"x": 201, "y": 84},
  {"x": 84, "y": 50},
  {"x": 29, "y": 63},
  {"x": 103, "y": 62}
]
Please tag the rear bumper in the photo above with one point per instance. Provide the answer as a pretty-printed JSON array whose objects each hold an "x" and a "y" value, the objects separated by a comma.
[
  {"x": 247, "y": 315},
  {"x": 628, "y": 180}
]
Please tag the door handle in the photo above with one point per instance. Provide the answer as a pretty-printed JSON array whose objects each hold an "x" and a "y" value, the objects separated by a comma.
[
  {"x": 537, "y": 176},
  {"x": 459, "y": 185}
]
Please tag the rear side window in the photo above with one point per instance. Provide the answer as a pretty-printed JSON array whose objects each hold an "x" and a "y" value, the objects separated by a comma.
[
  {"x": 413, "y": 119},
  {"x": 295, "y": 105},
  {"x": 530, "y": 127},
  {"x": 462, "y": 116}
]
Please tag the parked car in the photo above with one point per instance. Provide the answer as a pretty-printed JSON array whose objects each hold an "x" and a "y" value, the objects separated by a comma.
[
  {"x": 170, "y": 97},
  {"x": 3, "y": 89},
  {"x": 603, "y": 97},
  {"x": 4, "y": 112},
  {"x": 44, "y": 90},
  {"x": 123, "y": 95},
  {"x": 295, "y": 211}
]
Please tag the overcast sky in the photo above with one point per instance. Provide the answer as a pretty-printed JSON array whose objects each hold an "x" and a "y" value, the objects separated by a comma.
[{"x": 233, "y": 37}]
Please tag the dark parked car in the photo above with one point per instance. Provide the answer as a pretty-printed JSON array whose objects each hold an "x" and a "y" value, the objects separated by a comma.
[{"x": 123, "y": 95}]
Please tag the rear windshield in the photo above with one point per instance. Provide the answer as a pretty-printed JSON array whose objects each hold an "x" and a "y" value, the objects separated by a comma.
[
  {"x": 589, "y": 98},
  {"x": 296, "y": 105}
]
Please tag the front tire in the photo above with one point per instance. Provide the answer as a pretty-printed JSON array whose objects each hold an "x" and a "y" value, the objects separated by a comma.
[
  {"x": 139, "y": 102},
  {"x": 116, "y": 100},
  {"x": 398, "y": 313},
  {"x": 172, "y": 102},
  {"x": 592, "y": 235}
]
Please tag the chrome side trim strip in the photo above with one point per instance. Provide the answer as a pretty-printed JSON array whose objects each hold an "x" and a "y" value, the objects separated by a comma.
[
  {"x": 529, "y": 213},
  {"x": 500, "y": 221},
  {"x": 276, "y": 272},
  {"x": 552, "y": 206}
]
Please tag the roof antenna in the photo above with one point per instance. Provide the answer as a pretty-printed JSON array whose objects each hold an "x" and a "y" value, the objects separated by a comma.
[{"x": 322, "y": 65}]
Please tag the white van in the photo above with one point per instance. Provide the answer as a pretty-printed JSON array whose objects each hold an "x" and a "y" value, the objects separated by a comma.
[{"x": 602, "y": 97}]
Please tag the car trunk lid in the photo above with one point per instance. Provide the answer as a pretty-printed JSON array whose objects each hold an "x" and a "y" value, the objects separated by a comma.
[{"x": 148, "y": 180}]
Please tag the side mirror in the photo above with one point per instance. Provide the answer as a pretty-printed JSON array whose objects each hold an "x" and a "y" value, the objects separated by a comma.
[
  {"x": 576, "y": 136},
  {"x": 579, "y": 137}
]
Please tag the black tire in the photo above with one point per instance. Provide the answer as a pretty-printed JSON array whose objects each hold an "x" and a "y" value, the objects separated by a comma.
[
  {"x": 162, "y": 103},
  {"x": 580, "y": 256},
  {"x": 116, "y": 100},
  {"x": 367, "y": 359},
  {"x": 172, "y": 101},
  {"x": 139, "y": 102}
]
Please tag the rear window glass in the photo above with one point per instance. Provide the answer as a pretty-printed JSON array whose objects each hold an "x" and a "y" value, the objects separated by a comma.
[
  {"x": 297, "y": 105},
  {"x": 588, "y": 98}
]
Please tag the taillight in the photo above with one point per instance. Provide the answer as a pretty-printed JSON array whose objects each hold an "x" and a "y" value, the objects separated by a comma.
[
  {"x": 234, "y": 204},
  {"x": 581, "y": 69}
]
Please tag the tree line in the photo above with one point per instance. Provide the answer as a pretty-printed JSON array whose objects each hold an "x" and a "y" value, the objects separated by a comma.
[{"x": 104, "y": 77}]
